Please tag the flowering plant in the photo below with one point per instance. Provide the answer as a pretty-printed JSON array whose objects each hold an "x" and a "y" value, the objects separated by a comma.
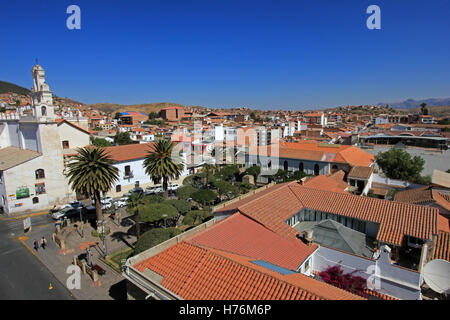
[{"x": 335, "y": 276}]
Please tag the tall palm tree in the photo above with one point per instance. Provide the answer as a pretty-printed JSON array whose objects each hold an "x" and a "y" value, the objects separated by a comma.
[
  {"x": 91, "y": 172},
  {"x": 133, "y": 203},
  {"x": 162, "y": 163}
]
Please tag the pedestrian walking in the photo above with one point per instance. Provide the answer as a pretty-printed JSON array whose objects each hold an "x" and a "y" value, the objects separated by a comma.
[
  {"x": 36, "y": 245},
  {"x": 43, "y": 243}
]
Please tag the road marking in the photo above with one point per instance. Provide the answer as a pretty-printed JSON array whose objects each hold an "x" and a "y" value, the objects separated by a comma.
[
  {"x": 25, "y": 216},
  {"x": 22, "y": 239}
]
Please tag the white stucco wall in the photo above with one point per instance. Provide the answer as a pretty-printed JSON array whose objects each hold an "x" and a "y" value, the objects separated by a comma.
[
  {"x": 76, "y": 137},
  {"x": 394, "y": 281}
]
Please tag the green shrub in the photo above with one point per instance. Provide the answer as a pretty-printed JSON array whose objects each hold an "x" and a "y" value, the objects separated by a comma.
[
  {"x": 197, "y": 217},
  {"x": 182, "y": 206},
  {"x": 154, "y": 237},
  {"x": 153, "y": 199},
  {"x": 154, "y": 212},
  {"x": 185, "y": 192},
  {"x": 204, "y": 196}
]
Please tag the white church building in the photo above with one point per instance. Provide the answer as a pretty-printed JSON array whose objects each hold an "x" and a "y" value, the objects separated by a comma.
[{"x": 33, "y": 151}]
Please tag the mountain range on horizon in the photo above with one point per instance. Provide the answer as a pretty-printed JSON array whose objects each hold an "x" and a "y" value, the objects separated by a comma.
[
  {"x": 6, "y": 87},
  {"x": 411, "y": 103}
]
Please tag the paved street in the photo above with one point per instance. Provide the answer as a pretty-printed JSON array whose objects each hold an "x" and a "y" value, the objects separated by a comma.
[{"x": 22, "y": 276}]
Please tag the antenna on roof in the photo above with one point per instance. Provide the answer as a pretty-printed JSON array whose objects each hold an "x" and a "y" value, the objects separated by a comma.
[{"x": 36, "y": 60}]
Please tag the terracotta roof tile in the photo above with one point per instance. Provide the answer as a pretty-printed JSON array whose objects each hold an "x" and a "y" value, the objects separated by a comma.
[
  {"x": 244, "y": 236},
  {"x": 396, "y": 219},
  {"x": 326, "y": 183},
  {"x": 196, "y": 273},
  {"x": 442, "y": 249},
  {"x": 129, "y": 151},
  {"x": 360, "y": 172}
]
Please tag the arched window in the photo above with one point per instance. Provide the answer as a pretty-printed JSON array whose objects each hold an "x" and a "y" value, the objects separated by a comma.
[
  {"x": 300, "y": 167},
  {"x": 316, "y": 169},
  {"x": 40, "y": 174},
  {"x": 269, "y": 165},
  {"x": 35, "y": 200},
  {"x": 286, "y": 166},
  {"x": 43, "y": 111}
]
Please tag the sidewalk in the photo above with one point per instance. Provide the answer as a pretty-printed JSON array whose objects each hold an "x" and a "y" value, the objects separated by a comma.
[{"x": 57, "y": 260}]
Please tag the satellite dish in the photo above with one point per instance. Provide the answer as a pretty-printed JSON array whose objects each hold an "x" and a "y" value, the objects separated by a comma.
[{"x": 436, "y": 274}]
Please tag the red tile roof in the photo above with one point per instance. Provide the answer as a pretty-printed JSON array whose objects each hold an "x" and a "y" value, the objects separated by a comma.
[
  {"x": 423, "y": 195},
  {"x": 360, "y": 172},
  {"x": 396, "y": 219},
  {"x": 129, "y": 151},
  {"x": 196, "y": 273},
  {"x": 442, "y": 249},
  {"x": 327, "y": 183},
  {"x": 244, "y": 236},
  {"x": 322, "y": 152}
]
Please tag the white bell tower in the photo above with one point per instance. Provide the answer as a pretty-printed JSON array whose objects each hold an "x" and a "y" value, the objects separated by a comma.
[{"x": 41, "y": 96}]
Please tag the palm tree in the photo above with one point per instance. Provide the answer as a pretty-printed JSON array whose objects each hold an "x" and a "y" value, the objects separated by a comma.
[
  {"x": 133, "y": 203},
  {"x": 161, "y": 163},
  {"x": 92, "y": 173}
]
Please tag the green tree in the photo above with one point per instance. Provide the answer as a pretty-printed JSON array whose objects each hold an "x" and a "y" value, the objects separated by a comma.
[
  {"x": 193, "y": 216},
  {"x": 91, "y": 172},
  {"x": 245, "y": 187},
  {"x": 122, "y": 138},
  {"x": 253, "y": 171},
  {"x": 117, "y": 115},
  {"x": 99, "y": 142},
  {"x": 185, "y": 192},
  {"x": 280, "y": 176},
  {"x": 424, "y": 109},
  {"x": 204, "y": 197},
  {"x": 154, "y": 212},
  {"x": 398, "y": 164},
  {"x": 226, "y": 189},
  {"x": 161, "y": 162},
  {"x": 153, "y": 115},
  {"x": 228, "y": 173},
  {"x": 182, "y": 206},
  {"x": 154, "y": 237},
  {"x": 134, "y": 203},
  {"x": 153, "y": 199}
]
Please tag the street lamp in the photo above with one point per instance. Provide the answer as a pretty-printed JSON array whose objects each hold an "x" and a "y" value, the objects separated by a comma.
[
  {"x": 164, "y": 218},
  {"x": 81, "y": 222},
  {"x": 103, "y": 236}
]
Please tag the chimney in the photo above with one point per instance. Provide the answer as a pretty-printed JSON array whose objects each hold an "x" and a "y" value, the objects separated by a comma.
[{"x": 306, "y": 236}]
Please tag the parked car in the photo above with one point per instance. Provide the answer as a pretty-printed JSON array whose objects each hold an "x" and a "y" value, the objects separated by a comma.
[
  {"x": 135, "y": 190},
  {"x": 153, "y": 189},
  {"x": 173, "y": 186},
  {"x": 68, "y": 212},
  {"x": 77, "y": 204},
  {"x": 122, "y": 202},
  {"x": 107, "y": 205},
  {"x": 105, "y": 200}
]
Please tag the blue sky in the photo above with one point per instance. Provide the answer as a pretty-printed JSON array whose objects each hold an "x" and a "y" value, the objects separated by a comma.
[{"x": 262, "y": 54}]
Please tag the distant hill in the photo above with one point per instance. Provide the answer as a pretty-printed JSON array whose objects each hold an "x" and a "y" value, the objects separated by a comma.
[
  {"x": 145, "y": 108},
  {"x": 411, "y": 103},
  {"x": 434, "y": 111},
  {"x": 6, "y": 87}
]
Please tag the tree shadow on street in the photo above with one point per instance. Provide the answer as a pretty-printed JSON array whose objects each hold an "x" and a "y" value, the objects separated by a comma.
[
  {"x": 121, "y": 236},
  {"x": 118, "y": 291}
]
